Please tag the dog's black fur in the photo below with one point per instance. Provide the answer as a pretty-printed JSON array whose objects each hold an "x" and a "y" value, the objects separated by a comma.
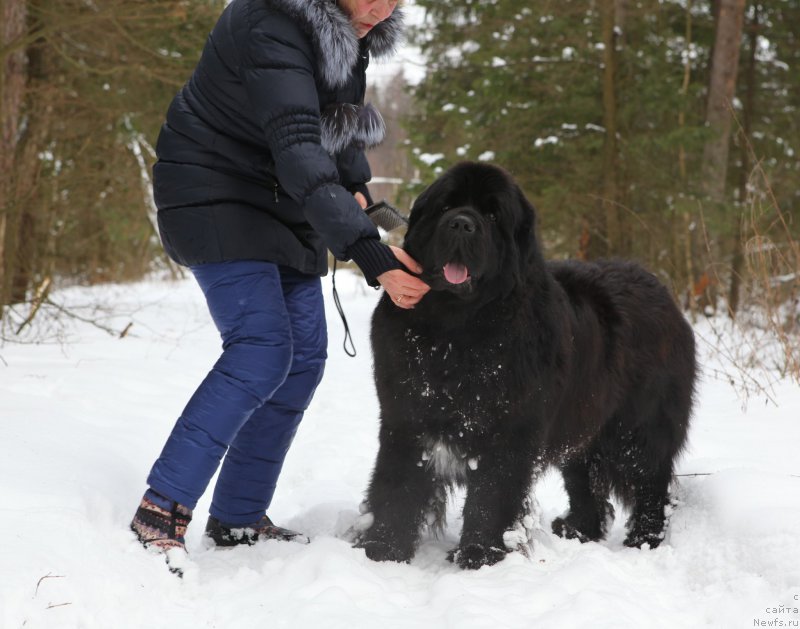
[{"x": 587, "y": 366}]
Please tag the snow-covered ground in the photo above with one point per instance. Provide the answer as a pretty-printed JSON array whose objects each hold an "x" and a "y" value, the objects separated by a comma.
[{"x": 85, "y": 413}]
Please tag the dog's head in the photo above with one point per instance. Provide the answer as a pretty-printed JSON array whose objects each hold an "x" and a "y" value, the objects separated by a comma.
[{"x": 472, "y": 231}]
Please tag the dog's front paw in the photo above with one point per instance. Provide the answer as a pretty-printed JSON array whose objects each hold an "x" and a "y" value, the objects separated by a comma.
[
  {"x": 474, "y": 556},
  {"x": 381, "y": 551}
]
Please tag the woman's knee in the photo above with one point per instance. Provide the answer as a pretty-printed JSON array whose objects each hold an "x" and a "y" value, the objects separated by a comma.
[
  {"x": 300, "y": 384},
  {"x": 260, "y": 369}
]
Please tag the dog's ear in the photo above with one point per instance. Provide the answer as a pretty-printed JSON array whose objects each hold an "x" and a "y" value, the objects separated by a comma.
[
  {"x": 418, "y": 210},
  {"x": 424, "y": 201},
  {"x": 525, "y": 233}
]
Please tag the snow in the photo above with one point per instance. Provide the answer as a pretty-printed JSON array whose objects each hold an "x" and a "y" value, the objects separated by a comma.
[
  {"x": 85, "y": 414},
  {"x": 430, "y": 158},
  {"x": 539, "y": 142}
]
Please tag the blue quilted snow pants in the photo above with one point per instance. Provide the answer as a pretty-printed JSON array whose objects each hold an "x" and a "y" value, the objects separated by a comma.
[{"x": 274, "y": 341}]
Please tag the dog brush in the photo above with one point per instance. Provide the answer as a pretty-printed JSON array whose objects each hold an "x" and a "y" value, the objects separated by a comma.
[{"x": 385, "y": 216}]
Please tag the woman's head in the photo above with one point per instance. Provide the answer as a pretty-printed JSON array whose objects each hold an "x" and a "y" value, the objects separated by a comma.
[{"x": 365, "y": 14}]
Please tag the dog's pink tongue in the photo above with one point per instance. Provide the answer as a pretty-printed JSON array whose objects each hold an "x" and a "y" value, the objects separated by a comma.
[{"x": 455, "y": 273}]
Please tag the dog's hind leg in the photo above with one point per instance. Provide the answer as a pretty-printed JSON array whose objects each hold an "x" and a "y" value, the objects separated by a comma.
[
  {"x": 644, "y": 458},
  {"x": 436, "y": 512},
  {"x": 642, "y": 473},
  {"x": 650, "y": 498},
  {"x": 587, "y": 484}
]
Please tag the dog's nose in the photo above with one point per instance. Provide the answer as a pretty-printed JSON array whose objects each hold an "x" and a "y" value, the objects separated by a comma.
[{"x": 462, "y": 223}]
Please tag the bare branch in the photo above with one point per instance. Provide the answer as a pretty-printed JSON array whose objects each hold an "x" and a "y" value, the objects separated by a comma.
[
  {"x": 40, "y": 296},
  {"x": 47, "y": 576}
]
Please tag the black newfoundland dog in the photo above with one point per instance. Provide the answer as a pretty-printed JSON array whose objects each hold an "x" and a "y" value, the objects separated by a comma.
[{"x": 511, "y": 364}]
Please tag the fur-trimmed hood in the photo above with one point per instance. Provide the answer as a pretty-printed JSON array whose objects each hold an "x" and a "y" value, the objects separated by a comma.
[{"x": 334, "y": 38}]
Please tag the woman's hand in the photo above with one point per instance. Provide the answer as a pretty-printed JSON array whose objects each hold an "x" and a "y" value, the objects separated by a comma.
[
  {"x": 360, "y": 199},
  {"x": 405, "y": 289}
]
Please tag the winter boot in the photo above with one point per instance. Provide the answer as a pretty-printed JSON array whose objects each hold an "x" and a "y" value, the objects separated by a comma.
[
  {"x": 223, "y": 535},
  {"x": 160, "y": 525}
]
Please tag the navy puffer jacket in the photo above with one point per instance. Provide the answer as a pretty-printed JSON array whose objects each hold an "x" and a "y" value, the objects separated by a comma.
[{"x": 264, "y": 145}]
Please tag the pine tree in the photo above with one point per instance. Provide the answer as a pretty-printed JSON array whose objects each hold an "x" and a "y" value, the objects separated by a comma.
[{"x": 524, "y": 86}]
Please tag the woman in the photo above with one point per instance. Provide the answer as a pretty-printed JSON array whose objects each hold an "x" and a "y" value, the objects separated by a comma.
[{"x": 261, "y": 168}]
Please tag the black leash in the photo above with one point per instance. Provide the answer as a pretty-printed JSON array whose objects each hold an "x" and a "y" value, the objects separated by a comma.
[
  {"x": 386, "y": 217},
  {"x": 347, "y": 336}
]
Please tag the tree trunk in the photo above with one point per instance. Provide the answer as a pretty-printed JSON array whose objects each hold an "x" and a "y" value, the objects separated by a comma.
[
  {"x": 681, "y": 217},
  {"x": 724, "y": 66},
  {"x": 13, "y": 14},
  {"x": 737, "y": 261},
  {"x": 719, "y": 116},
  {"x": 610, "y": 195}
]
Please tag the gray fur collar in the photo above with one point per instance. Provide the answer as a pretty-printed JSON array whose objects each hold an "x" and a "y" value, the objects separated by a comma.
[
  {"x": 343, "y": 124},
  {"x": 335, "y": 41}
]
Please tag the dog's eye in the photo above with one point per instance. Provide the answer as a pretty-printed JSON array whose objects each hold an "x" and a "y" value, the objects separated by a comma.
[
  {"x": 492, "y": 216},
  {"x": 445, "y": 208}
]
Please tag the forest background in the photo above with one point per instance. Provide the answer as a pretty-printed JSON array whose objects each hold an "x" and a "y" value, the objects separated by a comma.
[{"x": 665, "y": 131}]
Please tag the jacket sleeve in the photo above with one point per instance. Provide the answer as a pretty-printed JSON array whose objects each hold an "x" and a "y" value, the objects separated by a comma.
[
  {"x": 278, "y": 73},
  {"x": 353, "y": 167}
]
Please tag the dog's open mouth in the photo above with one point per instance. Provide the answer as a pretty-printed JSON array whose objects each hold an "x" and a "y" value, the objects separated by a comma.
[{"x": 455, "y": 273}]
